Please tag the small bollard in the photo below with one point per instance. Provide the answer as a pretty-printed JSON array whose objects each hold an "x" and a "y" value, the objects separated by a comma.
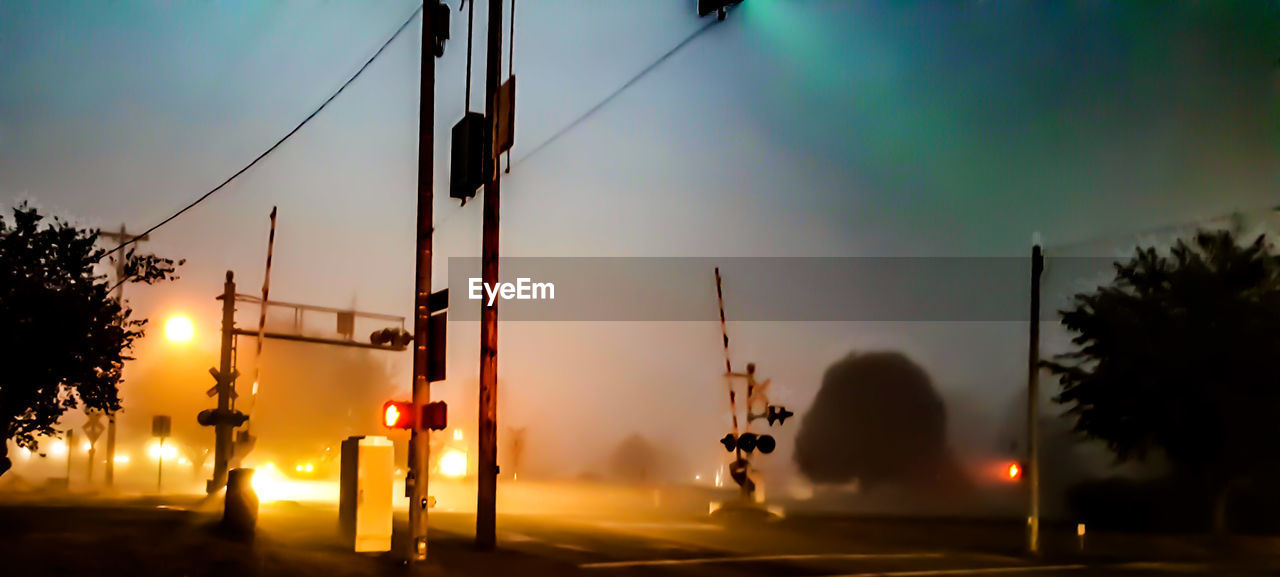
[
  {"x": 1080, "y": 536},
  {"x": 240, "y": 511}
]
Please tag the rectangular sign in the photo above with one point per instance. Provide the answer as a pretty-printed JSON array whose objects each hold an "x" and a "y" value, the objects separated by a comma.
[{"x": 160, "y": 425}]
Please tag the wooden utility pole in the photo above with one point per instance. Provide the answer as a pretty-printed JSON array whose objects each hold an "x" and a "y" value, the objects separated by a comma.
[
  {"x": 1033, "y": 407},
  {"x": 225, "y": 388},
  {"x": 419, "y": 447},
  {"x": 109, "y": 470},
  {"x": 487, "y": 463}
]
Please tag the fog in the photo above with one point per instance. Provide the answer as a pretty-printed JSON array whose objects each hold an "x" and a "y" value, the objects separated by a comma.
[{"x": 792, "y": 129}]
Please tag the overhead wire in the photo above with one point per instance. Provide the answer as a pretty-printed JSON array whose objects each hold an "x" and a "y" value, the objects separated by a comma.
[
  {"x": 400, "y": 30},
  {"x": 277, "y": 144},
  {"x": 577, "y": 121},
  {"x": 618, "y": 91}
]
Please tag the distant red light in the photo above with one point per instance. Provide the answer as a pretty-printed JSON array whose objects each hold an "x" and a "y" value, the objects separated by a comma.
[{"x": 1014, "y": 472}]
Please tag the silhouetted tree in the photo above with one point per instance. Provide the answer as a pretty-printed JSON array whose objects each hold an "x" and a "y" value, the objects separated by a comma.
[
  {"x": 1177, "y": 355},
  {"x": 63, "y": 338},
  {"x": 635, "y": 460},
  {"x": 877, "y": 419}
]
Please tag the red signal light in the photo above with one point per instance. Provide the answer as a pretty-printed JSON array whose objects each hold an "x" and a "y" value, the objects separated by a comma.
[
  {"x": 1013, "y": 472},
  {"x": 397, "y": 415}
]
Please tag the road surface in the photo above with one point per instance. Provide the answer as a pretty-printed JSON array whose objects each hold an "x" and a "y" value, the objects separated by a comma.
[{"x": 141, "y": 538}]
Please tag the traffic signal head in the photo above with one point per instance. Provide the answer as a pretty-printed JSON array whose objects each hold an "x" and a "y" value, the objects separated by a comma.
[
  {"x": 400, "y": 415},
  {"x": 435, "y": 416},
  {"x": 440, "y": 27},
  {"x": 391, "y": 337},
  {"x": 729, "y": 442},
  {"x": 766, "y": 444},
  {"x": 397, "y": 415},
  {"x": 1013, "y": 471},
  {"x": 717, "y": 7}
]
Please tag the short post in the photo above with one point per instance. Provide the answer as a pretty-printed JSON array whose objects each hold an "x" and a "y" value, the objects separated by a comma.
[
  {"x": 161, "y": 426},
  {"x": 160, "y": 467},
  {"x": 240, "y": 509}
]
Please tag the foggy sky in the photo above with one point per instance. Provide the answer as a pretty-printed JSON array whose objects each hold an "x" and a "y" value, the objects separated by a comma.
[{"x": 817, "y": 128}]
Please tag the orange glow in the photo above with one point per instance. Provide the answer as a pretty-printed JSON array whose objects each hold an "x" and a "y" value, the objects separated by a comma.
[
  {"x": 1014, "y": 472},
  {"x": 179, "y": 329}
]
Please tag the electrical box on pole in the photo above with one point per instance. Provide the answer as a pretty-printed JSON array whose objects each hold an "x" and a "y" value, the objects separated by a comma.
[
  {"x": 470, "y": 161},
  {"x": 437, "y": 325}
]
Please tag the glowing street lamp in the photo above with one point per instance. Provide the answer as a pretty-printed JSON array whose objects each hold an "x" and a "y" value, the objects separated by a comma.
[{"x": 179, "y": 329}]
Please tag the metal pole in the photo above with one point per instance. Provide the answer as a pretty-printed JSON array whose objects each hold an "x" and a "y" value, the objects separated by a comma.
[
  {"x": 419, "y": 448},
  {"x": 71, "y": 450},
  {"x": 1033, "y": 413},
  {"x": 222, "y": 429},
  {"x": 93, "y": 452},
  {"x": 109, "y": 469},
  {"x": 160, "y": 466},
  {"x": 487, "y": 463}
]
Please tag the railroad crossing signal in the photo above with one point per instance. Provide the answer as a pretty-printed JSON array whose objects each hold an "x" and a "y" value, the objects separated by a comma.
[
  {"x": 779, "y": 414},
  {"x": 217, "y": 376},
  {"x": 749, "y": 442},
  {"x": 215, "y": 417}
]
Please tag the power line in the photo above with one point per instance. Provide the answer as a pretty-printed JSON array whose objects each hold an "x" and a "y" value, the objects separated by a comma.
[
  {"x": 277, "y": 144},
  {"x": 628, "y": 84},
  {"x": 600, "y": 105}
]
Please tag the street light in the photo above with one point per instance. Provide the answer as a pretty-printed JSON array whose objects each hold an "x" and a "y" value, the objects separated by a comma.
[{"x": 179, "y": 329}]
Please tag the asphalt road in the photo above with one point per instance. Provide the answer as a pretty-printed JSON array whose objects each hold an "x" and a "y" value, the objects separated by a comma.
[
  {"x": 601, "y": 547},
  {"x": 140, "y": 538}
]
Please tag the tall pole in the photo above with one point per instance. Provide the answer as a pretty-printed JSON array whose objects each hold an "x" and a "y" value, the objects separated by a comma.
[
  {"x": 71, "y": 450},
  {"x": 93, "y": 453},
  {"x": 109, "y": 470},
  {"x": 487, "y": 466},
  {"x": 419, "y": 448},
  {"x": 1033, "y": 412},
  {"x": 222, "y": 429}
]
